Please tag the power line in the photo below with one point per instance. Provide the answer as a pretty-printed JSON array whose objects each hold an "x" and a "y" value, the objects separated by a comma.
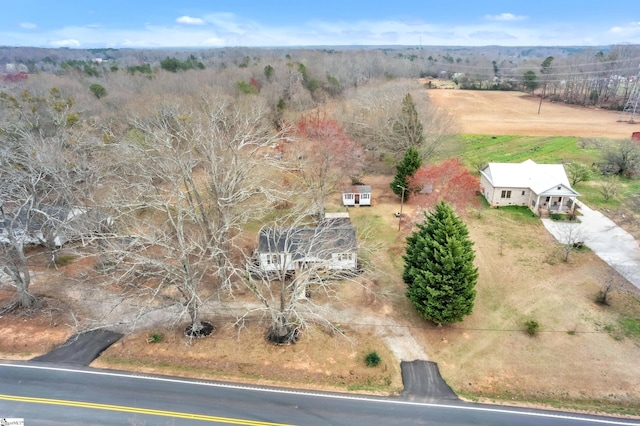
[{"x": 631, "y": 107}]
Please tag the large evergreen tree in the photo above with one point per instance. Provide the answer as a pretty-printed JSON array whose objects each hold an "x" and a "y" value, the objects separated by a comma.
[
  {"x": 439, "y": 267},
  {"x": 407, "y": 167},
  {"x": 408, "y": 125}
]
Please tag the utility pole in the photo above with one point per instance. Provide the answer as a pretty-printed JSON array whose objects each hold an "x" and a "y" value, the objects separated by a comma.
[
  {"x": 546, "y": 69},
  {"x": 401, "y": 203}
]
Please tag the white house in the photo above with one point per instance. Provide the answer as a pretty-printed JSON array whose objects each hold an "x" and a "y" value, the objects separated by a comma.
[
  {"x": 329, "y": 246},
  {"x": 356, "y": 195},
  {"x": 541, "y": 187}
]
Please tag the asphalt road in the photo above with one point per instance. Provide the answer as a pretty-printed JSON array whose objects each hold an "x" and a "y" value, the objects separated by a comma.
[{"x": 47, "y": 394}]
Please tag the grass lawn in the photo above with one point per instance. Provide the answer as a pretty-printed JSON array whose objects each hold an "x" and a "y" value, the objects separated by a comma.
[{"x": 481, "y": 149}]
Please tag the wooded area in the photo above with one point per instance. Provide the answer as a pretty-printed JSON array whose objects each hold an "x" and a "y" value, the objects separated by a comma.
[
  {"x": 175, "y": 156},
  {"x": 599, "y": 76}
]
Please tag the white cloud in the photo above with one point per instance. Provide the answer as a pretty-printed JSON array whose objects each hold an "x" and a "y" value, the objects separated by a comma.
[
  {"x": 190, "y": 20},
  {"x": 631, "y": 28},
  {"x": 227, "y": 29},
  {"x": 213, "y": 41},
  {"x": 505, "y": 17},
  {"x": 66, "y": 43},
  {"x": 28, "y": 25}
]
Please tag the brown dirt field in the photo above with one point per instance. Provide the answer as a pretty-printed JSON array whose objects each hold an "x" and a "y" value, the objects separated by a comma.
[{"x": 516, "y": 113}]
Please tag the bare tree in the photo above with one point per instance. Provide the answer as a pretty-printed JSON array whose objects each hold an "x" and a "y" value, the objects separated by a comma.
[
  {"x": 197, "y": 175},
  {"x": 47, "y": 174},
  {"x": 578, "y": 172},
  {"x": 625, "y": 155},
  {"x": 295, "y": 260},
  {"x": 377, "y": 119},
  {"x": 13, "y": 261},
  {"x": 571, "y": 238},
  {"x": 609, "y": 187},
  {"x": 322, "y": 158},
  {"x": 608, "y": 284}
]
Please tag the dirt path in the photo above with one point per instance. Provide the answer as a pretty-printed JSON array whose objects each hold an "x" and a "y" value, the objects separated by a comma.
[
  {"x": 396, "y": 335},
  {"x": 516, "y": 113}
]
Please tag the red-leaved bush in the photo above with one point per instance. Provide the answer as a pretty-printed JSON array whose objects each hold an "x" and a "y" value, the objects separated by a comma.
[
  {"x": 326, "y": 141},
  {"x": 449, "y": 181}
]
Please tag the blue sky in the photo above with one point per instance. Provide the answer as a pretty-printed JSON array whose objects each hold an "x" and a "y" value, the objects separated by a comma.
[{"x": 218, "y": 23}]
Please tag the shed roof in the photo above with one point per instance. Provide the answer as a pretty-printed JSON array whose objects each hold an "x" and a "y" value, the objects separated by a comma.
[{"x": 357, "y": 189}]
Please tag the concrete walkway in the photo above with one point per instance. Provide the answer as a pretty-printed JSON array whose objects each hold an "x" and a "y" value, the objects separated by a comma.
[{"x": 611, "y": 243}]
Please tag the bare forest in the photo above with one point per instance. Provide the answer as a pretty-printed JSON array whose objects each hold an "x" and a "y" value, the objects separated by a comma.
[{"x": 159, "y": 174}]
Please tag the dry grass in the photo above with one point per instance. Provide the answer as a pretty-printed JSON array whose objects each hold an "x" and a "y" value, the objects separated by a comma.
[
  {"x": 572, "y": 358},
  {"x": 516, "y": 113},
  {"x": 317, "y": 361}
]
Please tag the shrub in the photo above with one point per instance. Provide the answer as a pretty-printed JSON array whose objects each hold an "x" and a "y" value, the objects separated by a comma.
[
  {"x": 246, "y": 88},
  {"x": 155, "y": 338},
  {"x": 372, "y": 359},
  {"x": 64, "y": 259},
  {"x": 532, "y": 327},
  {"x": 601, "y": 298},
  {"x": 98, "y": 90}
]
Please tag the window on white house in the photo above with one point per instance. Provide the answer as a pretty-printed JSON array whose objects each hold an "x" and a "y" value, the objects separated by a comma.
[
  {"x": 522, "y": 192},
  {"x": 365, "y": 196},
  {"x": 345, "y": 256},
  {"x": 505, "y": 194}
]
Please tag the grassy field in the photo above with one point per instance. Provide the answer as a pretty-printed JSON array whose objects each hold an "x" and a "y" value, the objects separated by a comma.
[{"x": 478, "y": 150}]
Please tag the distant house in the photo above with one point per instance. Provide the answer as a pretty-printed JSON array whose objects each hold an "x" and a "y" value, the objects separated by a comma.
[
  {"x": 543, "y": 188},
  {"x": 356, "y": 195},
  {"x": 58, "y": 224},
  {"x": 329, "y": 246}
]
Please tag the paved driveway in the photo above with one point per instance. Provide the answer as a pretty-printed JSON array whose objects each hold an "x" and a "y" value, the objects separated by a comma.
[{"x": 611, "y": 243}]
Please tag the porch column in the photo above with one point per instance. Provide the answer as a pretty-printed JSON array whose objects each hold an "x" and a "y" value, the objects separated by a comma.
[{"x": 538, "y": 204}]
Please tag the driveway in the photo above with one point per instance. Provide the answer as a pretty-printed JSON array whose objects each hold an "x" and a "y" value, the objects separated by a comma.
[
  {"x": 611, "y": 243},
  {"x": 81, "y": 349}
]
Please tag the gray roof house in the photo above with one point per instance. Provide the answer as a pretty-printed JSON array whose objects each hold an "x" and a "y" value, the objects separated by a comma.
[
  {"x": 64, "y": 224},
  {"x": 541, "y": 187},
  {"x": 330, "y": 246}
]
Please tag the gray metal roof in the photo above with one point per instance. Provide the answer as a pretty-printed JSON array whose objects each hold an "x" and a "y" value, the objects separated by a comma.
[{"x": 320, "y": 242}]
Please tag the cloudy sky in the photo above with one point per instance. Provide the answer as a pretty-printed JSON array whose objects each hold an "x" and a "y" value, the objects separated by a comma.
[{"x": 218, "y": 23}]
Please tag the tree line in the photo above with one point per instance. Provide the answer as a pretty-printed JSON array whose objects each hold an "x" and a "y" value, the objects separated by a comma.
[{"x": 604, "y": 76}]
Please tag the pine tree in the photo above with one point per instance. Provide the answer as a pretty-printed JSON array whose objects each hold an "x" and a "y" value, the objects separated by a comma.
[
  {"x": 439, "y": 268},
  {"x": 407, "y": 167},
  {"x": 408, "y": 125}
]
